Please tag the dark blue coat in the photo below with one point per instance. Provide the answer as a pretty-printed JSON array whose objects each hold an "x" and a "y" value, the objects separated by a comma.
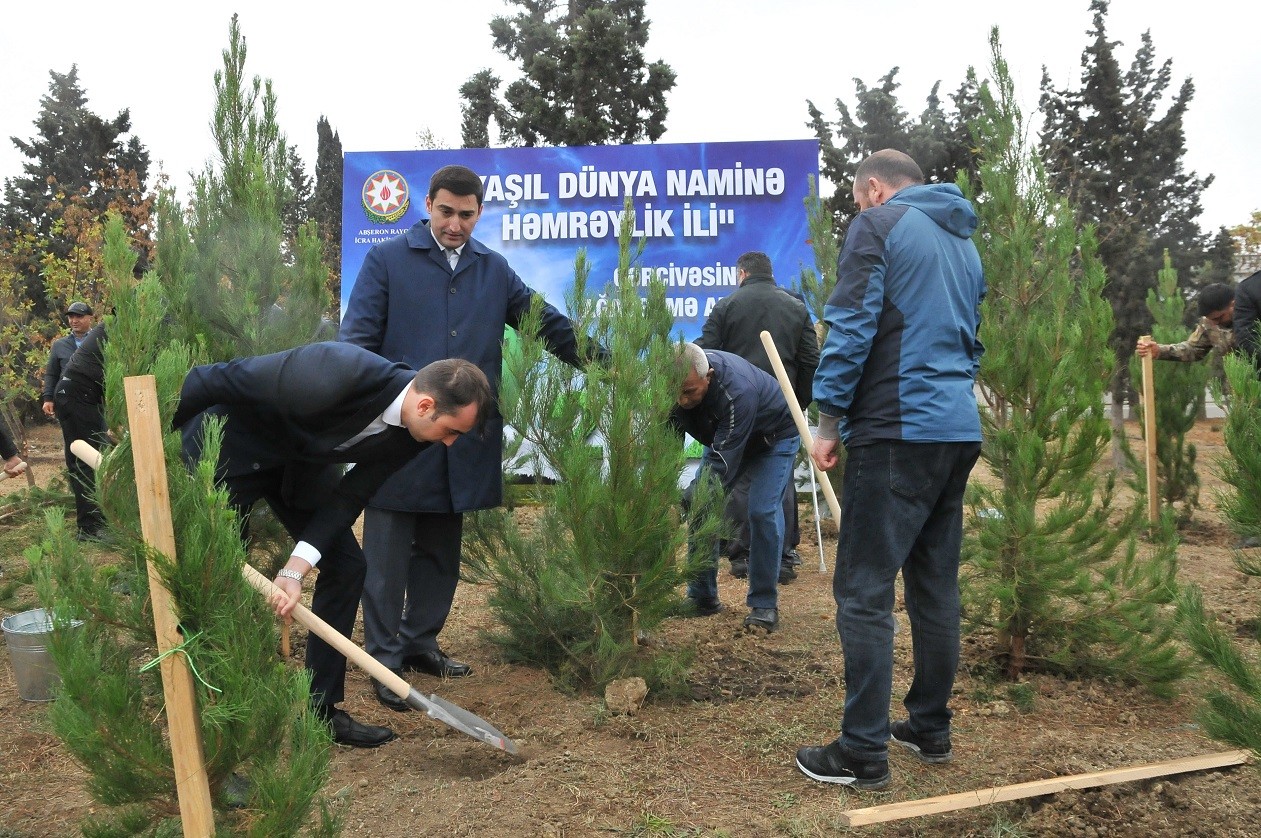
[
  {"x": 408, "y": 305},
  {"x": 743, "y": 413}
]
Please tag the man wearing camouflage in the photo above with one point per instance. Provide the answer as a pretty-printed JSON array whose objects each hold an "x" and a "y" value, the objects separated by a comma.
[{"x": 1216, "y": 305}]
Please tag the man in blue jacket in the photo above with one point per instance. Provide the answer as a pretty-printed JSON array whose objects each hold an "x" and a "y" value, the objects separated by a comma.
[
  {"x": 435, "y": 292},
  {"x": 895, "y": 382},
  {"x": 739, "y": 413}
]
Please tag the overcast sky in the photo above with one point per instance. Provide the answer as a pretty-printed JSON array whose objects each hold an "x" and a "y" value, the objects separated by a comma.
[{"x": 382, "y": 73}]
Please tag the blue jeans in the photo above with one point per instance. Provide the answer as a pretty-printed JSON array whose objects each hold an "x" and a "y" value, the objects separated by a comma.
[
  {"x": 901, "y": 509},
  {"x": 767, "y": 473}
]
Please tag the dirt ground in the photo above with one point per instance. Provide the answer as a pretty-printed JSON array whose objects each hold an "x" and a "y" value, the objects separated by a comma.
[{"x": 722, "y": 763}]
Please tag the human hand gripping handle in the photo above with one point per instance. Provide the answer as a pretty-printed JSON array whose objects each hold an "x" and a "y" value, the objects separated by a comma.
[
  {"x": 436, "y": 708},
  {"x": 803, "y": 427},
  {"x": 1147, "y": 348},
  {"x": 285, "y": 600}
]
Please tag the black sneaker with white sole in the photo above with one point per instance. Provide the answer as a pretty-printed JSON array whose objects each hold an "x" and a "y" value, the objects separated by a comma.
[
  {"x": 833, "y": 763},
  {"x": 930, "y": 751}
]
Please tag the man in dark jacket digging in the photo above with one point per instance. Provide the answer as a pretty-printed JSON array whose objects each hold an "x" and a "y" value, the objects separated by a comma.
[
  {"x": 739, "y": 413},
  {"x": 290, "y": 419}
]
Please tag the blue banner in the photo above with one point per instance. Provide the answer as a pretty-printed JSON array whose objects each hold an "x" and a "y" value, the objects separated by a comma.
[{"x": 697, "y": 207}]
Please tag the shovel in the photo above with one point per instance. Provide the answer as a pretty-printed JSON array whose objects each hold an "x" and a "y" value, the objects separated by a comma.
[{"x": 436, "y": 708}]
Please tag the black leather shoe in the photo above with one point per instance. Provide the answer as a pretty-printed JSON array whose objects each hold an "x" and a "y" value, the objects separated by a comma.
[
  {"x": 347, "y": 731},
  {"x": 435, "y": 662},
  {"x": 386, "y": 696},
  {"x": 762, "y": 618}
]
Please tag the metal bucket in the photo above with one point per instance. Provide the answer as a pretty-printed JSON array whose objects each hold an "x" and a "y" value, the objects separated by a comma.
[{"x": 26, "y": 635}]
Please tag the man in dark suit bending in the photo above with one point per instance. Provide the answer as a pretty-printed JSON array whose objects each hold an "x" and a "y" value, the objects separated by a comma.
[{"x": 290, "y": 418}]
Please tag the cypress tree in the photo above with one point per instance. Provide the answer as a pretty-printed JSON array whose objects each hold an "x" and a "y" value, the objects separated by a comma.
[
  {"x": 938, "y": 141},
  {"x": 326, "y": 205},
  {"x": 1052, "y": 563}
]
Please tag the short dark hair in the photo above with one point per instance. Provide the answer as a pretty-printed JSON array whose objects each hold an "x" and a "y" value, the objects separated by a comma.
[
  {"x": 458, "y": 180},
  {"x": 755, "y": 263},
  {"x": 455, "y": 383},
  {"x": 1214, "y": 297},
  {"x": 890, "y": 166}
]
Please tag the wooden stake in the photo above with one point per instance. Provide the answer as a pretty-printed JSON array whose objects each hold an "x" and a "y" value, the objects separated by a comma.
[
  {"x": 1001, "y": 794},
  {"x": 1149, "y": 434},
  {"x": 191, "y": 782},
  {"x": 803, "y": 427}
]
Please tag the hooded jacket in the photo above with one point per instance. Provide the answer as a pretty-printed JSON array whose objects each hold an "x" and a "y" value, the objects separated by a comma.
[{"x": 902, "y": 352}]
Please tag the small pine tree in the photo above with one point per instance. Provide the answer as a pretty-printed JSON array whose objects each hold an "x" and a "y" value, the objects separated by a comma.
[
  {"x": 225, "y": 285},
  {"x": 236, "y": 288},
  {"x": 1180, "y": 392},
  {"x": 1241, "y": 471},
  {"x": 600, "y": 566},
  {"x": 251, "y": 708},
  {"x": 1053, "y": 567},
  {"x": 1231, "y": 715}
]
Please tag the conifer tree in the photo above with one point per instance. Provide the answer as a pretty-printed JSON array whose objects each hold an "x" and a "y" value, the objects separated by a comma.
[
  {"x": 1053, "y": 565},
  {"x": 938, "y": 141},
  {"x": 599, "y": 568},
  {"x": 224, "y": 285},
  {"x": 76, "y": 159},
  {"x": 1232, "y": 711},
  {"x": 1241, "y": 471},
  {"x": 584, "y": 78},
  {"x": 1180, "y": 390},
  {"x": 1119, "y": 162},
  {"x": 234, "y": 286},
  {"x": 326, "y": 205},
  {"x": 266, "y": 754}
]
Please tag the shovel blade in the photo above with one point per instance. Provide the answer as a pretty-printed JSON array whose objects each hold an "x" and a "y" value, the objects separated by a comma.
[{"x": 453, "y": 715}]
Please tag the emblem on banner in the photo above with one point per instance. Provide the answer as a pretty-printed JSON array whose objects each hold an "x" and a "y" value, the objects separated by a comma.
[{"x": 385, "y": 196}]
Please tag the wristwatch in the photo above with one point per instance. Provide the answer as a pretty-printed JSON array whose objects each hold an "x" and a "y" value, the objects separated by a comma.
[{"x": 288, "y": 574}]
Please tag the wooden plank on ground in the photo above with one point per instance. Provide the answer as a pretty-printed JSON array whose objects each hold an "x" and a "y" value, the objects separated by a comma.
[
  {"x": 153, "y": 494},
  {"x": 1036, "y": 788}
]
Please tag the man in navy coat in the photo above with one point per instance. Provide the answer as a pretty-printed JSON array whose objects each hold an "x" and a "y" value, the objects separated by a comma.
[
  {"x": 290, "y": 417},
  {"x": 435, "y": 292}
]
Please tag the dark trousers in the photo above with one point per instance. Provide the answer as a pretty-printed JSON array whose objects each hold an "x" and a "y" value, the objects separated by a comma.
[
  {"x": 85, "y": 420},
  {"x": 337, "y": 586},
  {"x": 901, "y": 510},
  {"x": 413, "y": 571}
]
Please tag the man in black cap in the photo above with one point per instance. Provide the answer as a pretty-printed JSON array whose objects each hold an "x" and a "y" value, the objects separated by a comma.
[{"x": 89, "y": 519}]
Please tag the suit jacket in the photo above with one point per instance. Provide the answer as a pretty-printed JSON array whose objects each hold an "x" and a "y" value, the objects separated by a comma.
[
  {"x": 290, "y": 410},
  {"x": 408, "y": 305}
]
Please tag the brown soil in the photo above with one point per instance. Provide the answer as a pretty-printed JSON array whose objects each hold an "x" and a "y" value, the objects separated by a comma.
[{"x": 722, "y": 763}]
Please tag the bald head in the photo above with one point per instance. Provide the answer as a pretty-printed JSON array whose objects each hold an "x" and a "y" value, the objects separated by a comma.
[{"x": 881, "y": 175}]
